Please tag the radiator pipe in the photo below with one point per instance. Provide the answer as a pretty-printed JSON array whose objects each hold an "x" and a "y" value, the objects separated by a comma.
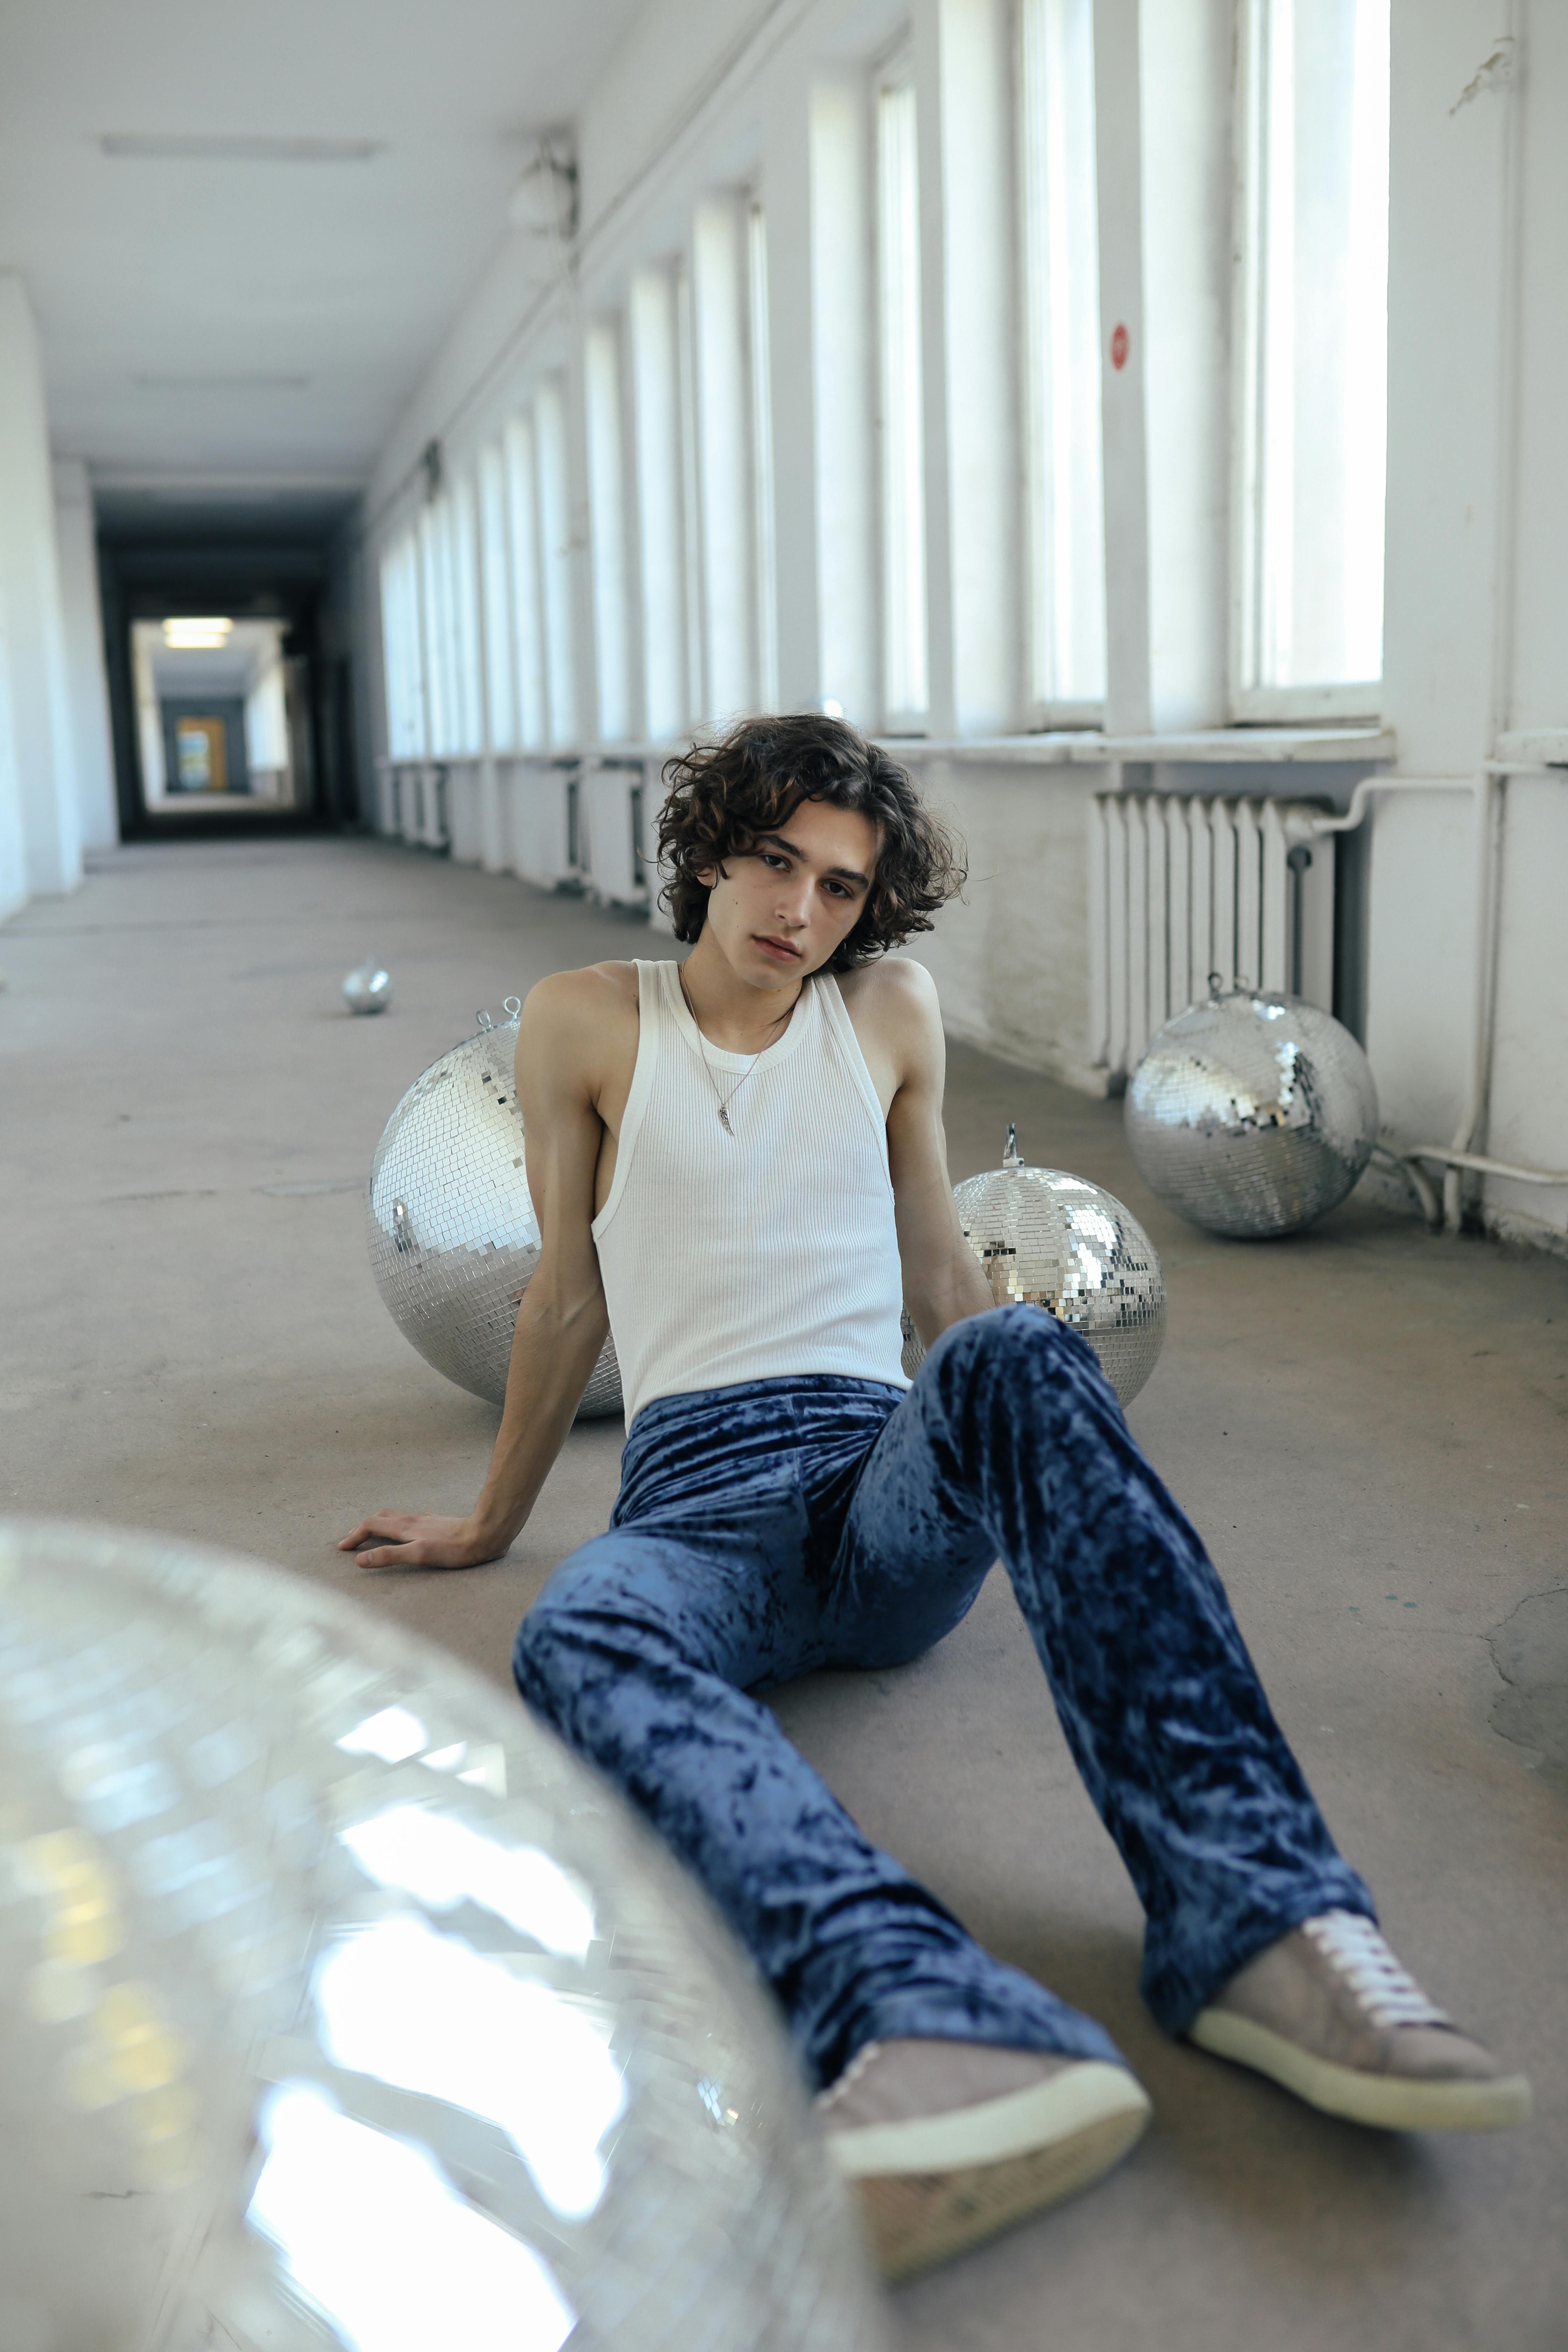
[{"x": 1458, "y": 1155}]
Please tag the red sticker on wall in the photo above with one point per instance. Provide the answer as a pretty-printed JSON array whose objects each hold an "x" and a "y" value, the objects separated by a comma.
[{"x": 1119, "y": 347}]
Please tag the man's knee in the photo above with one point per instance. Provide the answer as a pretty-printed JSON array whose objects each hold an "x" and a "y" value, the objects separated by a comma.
[{"x": 1021, "y": 1342}]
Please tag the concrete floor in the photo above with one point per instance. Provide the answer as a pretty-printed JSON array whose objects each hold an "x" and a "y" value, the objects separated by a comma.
[{"x": 1368, "y": 1424}]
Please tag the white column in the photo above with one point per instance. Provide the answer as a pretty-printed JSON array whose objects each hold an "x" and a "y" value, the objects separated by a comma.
[
  {"x": 97, "y": 806},
  {"x": 1163, "y": 116},
  {"x": 1450, "y": 258},
  {"x": 30, "y": 602},
  {"x": 1118, "y": 114}
]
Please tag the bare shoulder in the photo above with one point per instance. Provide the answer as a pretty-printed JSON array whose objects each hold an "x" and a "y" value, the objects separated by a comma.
[
  {"x": 579, "y": 1022},
  {"x": 595, "y": 990},
  {"x": 894, "y": 994},
  {"x": 897, "y": 1019}
]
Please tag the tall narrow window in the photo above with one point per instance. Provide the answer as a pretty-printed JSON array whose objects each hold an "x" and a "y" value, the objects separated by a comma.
[
  {"x": 723, "y": 453},
  {"x": 766, "y": 599},
  {"x": 528, "y": 616},
  {"x": 468, "y": 727},
  {"x": 434, "y": 586},
  {"x": 656, "y": 416},
  {"x": 1313, "y": 375},
  {"x": 904, "y": 688},
  {"x": 691, "y": 499},
  {"x": 606, "y": 514},
  {"x": 555, "y": 559},
  {"x": 402, "y": 652},
  {"x": 499, "y": 657},
  {"x": 1061, "y": 372}
]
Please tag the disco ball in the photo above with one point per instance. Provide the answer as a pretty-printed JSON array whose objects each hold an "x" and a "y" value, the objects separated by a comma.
[
  {"x": 1051, "y": 1240},
  {"x": 453, "y": 1236},
  {"x": 368, "y": 988},
  {"x": 340, "y": 2005},
  {"x": 1252, "y": 1113}
]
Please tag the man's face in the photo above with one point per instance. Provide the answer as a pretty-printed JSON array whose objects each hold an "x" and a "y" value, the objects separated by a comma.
[{"x": 780, "y": 911}]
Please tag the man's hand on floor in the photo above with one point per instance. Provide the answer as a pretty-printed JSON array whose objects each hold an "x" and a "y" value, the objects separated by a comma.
[{"x": 419, "y": 1539}]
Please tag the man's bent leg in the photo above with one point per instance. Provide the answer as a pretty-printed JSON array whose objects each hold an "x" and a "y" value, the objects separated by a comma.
[
  {"x": 633, "y": 1652},
  {"x": 1013, "y": 1431}
]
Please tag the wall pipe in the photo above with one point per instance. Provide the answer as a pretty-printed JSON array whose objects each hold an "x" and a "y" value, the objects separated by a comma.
[{"x": 1458, "y": 1156}]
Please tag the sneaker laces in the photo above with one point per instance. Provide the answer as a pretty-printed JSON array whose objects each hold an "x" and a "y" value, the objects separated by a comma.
[{"x": 1388, "y": 1993}]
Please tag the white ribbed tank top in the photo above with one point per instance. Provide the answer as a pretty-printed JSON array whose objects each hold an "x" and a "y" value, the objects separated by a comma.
[{"x": 767, "y": 1253}]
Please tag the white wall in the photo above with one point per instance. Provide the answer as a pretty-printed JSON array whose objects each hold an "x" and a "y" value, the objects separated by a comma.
[
  {"x": 98, "y": 811},
  {"x": 702, "y": 100},
  {"x": 36, "y": 684}
]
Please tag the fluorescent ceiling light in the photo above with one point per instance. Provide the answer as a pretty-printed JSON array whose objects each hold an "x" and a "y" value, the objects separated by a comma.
[
  {"x": 175, "y": 147},
  {"x": 193, "y": 635}
]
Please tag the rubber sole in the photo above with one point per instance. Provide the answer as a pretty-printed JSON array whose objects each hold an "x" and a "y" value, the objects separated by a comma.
[
  {"x": 929, "y": 2188},
  {"x": 1383, "y": 2102}
]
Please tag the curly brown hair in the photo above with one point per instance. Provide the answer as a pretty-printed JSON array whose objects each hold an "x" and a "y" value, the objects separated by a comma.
[{"x": 724, "y": 797}]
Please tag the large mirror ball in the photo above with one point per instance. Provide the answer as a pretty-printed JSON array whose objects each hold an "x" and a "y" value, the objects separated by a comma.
[
  {"x": 450, "y": 1224},
  {"x": 1252, "y": 1113},
  {"x": 341, "y": 2006},
  {"x": 1047, "y": 1238}
]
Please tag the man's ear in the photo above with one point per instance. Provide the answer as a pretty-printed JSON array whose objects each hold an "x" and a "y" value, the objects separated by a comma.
[{"x": 709, "y": 875}]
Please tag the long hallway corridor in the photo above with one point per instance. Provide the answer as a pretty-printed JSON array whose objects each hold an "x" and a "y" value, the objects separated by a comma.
[{"x": 1366, "y": 1422}]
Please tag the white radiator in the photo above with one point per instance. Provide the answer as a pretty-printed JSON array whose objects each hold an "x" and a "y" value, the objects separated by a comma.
[{"x": 1181, "y": 887}]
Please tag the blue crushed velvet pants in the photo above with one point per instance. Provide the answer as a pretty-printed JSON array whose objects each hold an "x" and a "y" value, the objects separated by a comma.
[{"x": 773, "y": 1527}]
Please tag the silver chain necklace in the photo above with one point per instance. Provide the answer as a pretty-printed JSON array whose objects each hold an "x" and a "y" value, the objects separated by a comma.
[{"x": 722, "y": 1100}]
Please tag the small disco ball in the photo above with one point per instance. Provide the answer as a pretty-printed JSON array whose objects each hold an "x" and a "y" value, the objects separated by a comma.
[
  {"x": 1252, "y": 1113},
  {"x": 1051, "y": 1240},
  {"x": 340, "y": 2005},
  {"x": 453, "y": 1236},
  {"x": 368, "y": 988}
]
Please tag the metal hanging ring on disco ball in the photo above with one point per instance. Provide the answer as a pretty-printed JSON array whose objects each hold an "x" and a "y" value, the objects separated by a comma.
[
  {"x": 1252, "y": 1113},
  {"x": 1049, "y": 1239},
  {"x": 453, "y": 1236},
  {"x": 343, "y": 2008},
  {"x": 368, "y": 988}
]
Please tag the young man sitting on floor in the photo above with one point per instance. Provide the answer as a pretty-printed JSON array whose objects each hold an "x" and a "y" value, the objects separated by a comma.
[{"x": 740, "y": 1170}]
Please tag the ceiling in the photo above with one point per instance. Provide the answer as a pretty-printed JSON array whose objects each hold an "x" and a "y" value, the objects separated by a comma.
[{"x": 238, "y": 322}]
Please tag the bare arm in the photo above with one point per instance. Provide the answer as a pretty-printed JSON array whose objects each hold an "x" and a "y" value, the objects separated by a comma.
[
  {"x": 942, "y": 1279},
  {"x": 562, "y": 1321}
]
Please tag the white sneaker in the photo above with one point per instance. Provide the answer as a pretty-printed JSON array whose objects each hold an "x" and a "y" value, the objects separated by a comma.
[
  {"x": 948, "y": 2142},
  {"x": 1328, "y": 2013}
]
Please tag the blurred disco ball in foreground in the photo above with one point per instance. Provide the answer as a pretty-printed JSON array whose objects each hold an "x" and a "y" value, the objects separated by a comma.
[
  {"x": 368, "y": 988},
  {"x": 341, "y": 2006},
  {"x": 453, "y": 1236},
  {"x": 1251, "y": 1113},
  {"x": 1047, "y": 1239}
]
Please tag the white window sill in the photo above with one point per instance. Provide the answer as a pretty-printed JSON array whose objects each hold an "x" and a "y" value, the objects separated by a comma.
[
  {"x": 1535, "y": 747},
  {"x": 1214, "y": 747},
  {"x": 1079, "y": 747}
]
